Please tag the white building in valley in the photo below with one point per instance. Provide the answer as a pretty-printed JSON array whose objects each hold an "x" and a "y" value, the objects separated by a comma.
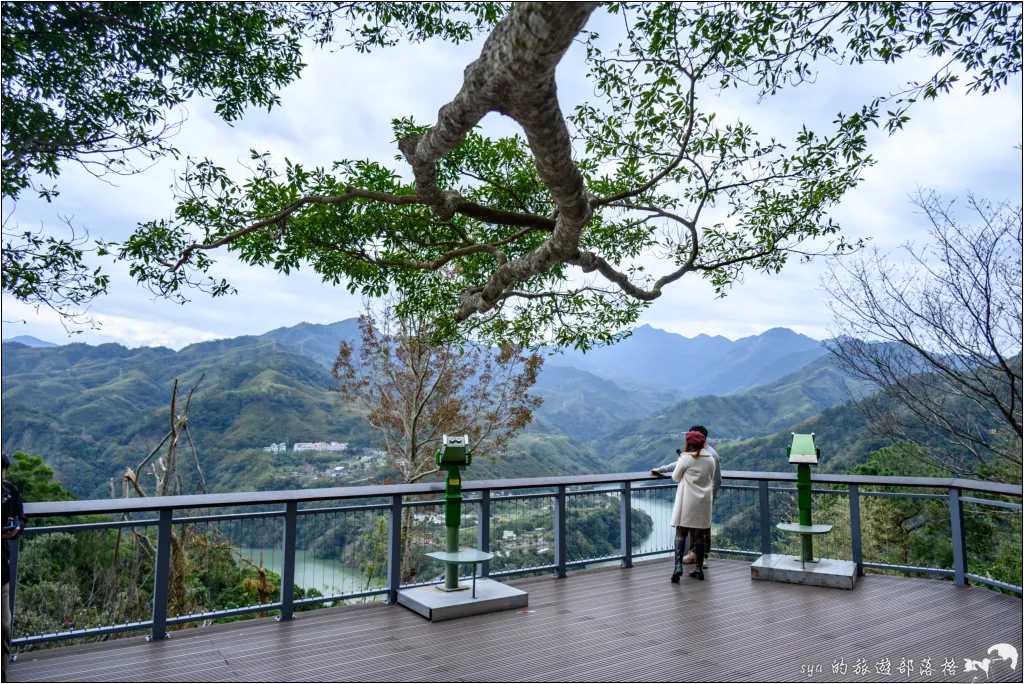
[
  {"x": 372, "y": 456},
  {"x": 276, "y": 448},
  {"x": 320, "y": 446}
]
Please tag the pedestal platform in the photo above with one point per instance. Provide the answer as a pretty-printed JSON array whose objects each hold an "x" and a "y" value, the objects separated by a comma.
[
  {"x": 436, "y": 605},
  {"x": 824, "y": 572}
]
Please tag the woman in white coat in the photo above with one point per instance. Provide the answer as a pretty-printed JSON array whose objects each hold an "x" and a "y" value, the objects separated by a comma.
[{"x": 695, "y": 472}]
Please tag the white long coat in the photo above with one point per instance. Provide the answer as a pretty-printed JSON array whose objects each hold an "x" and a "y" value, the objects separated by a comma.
[{"x": 695, "y": 493}]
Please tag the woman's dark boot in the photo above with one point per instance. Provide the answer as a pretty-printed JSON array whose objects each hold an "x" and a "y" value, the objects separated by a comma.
[
  {"x": 699, "y": 572},
  {"x": 678, "y": 571}
]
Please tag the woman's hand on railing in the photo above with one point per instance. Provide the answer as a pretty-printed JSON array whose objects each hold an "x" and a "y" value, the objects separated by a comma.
[{"x": 655, "y": 471}]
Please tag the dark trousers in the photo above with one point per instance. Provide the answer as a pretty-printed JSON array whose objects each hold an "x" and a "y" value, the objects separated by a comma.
[
  {"x": 692, "y": 532},
  {"x": 706, "y": 534}
]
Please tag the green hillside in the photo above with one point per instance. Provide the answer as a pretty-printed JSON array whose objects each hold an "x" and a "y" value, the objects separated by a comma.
[
  {"x": 582, "y": 405},
  {"x": 841, "y": 432},
  {"x": 92, "y": 411},
  {"x": 763, "y": 410},
  {"x": 318, "y": 342}
]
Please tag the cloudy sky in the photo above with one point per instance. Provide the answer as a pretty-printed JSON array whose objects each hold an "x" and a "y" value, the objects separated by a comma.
[{"x": 343, "y": 106}]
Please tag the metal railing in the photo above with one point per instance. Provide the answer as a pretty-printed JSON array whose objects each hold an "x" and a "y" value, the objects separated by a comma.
[{"x": 545, "y": 524}]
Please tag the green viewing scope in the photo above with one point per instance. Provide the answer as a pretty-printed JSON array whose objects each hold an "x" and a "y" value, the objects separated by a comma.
[{"x": 454, "y": 451}]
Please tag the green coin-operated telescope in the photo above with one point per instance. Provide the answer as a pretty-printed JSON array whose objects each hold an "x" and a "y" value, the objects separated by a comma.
[
  {"x": 453, "y": 455},
  {"x": 454, "y": 451},
  {"x": 804, "y": 453}
]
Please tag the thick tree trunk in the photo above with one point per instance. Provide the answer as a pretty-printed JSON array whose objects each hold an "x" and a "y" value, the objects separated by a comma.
[{"x": 514, "y": 75}]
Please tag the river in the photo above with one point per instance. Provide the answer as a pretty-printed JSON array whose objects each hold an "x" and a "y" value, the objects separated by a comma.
[
  {"x": 330, "y": 577},
  {"x": 657, "y": 503},
  {"x": 333, "y": 577}
]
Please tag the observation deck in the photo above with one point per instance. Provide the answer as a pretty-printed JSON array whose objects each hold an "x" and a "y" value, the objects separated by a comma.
[{"x": 610, "y": 618}]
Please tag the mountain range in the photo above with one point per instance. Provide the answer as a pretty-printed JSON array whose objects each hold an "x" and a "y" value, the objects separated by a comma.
[
  {"x": 695, "y": 366},
  {"x": 92, "y": 411}
]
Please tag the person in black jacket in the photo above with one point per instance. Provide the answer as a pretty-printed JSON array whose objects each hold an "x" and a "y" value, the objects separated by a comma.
[{"x": 14, "y": 520}]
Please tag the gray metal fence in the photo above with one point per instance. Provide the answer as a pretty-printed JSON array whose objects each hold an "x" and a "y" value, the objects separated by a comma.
[{"x": 346, "y": 544}]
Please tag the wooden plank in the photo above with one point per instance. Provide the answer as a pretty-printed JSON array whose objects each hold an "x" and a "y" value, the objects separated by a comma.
[{"x": 601, "y": 624}]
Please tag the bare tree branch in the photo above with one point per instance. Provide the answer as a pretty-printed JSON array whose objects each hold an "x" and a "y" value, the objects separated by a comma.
[{"x": 943, "y": 337}]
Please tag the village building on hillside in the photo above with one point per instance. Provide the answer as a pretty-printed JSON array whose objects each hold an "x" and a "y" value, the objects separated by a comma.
[{"x": 320, "y": 446}]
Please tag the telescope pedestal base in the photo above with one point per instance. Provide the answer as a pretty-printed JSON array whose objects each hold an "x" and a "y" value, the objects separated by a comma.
[
  {"x": 436, "y": 605},
  {"x": 823, "y": 572}
]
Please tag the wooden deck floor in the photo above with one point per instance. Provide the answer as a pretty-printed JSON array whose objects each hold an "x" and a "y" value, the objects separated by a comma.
[{"x": 605, "y": 624}]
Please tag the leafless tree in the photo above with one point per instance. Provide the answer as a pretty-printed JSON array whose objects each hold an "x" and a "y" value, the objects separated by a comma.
[
  {"x": 167, "y": 474},
  {"x": 939, "y": 336},
  {"x": 165, "y": 470},
  {"x": 415, "y": 387}
]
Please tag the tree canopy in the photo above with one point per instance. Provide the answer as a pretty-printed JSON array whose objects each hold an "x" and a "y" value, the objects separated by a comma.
[
  {"x": 101, "y": 84},
  {"x": 539, "y": 236},
  {"x": 33, "y": 478}
]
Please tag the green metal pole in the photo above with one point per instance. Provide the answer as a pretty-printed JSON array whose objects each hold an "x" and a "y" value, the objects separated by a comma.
[
  {"x": 803, "y": 498},
  {"x": 452, "y": 521}
]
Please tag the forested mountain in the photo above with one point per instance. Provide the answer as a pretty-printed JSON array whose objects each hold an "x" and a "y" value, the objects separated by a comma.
[
  {"x": 583, "y": 405},
  {"x": 699, "y": 365},
  {"x": 92, "y": 411},
  {"x": 648, "y": 359},
  {"x": 841, "y": 431},
  {"x": 760, "y": 411},
  {"x": 318, "y": 342}
]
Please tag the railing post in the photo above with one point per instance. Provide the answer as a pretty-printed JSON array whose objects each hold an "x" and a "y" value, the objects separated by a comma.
[
  {"x": 626, "y": 524},
  {"x": 766, "y": 518},
  {"x": 15, "y": 546},
  {"x": 560, "y": 532},
  {"x": 161, "y": 575},
  {"x": 855, "y": 542},
  {"x": 483, "y": 533},
  {"x": 395, "y": 548},
  {"x": 289, "y": 538},
  {"x": 956, "y": 523}
]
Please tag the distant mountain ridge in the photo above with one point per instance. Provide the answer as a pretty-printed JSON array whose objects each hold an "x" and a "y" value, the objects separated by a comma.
[
  {"x": 649, "y": 359},
  {"x": 760, "y": 411},
  {"x": 29, "y": 341},
  {"x": 583, "y": 405},
  {"x": 317, "y": 341},
  {"x": 92, "y": 411},
  {"x": 694, "y": 366},
  {"x": 588, "y": 394}
]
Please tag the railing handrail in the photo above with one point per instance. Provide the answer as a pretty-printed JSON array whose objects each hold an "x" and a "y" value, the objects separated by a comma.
[{"x": 159, "y": 503}]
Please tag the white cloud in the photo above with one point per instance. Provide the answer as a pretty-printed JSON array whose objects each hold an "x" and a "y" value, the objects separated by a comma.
[{"x": 128, "y": 331}]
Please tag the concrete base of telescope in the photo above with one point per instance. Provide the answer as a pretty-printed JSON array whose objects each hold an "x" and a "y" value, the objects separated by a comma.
[
  {"x": 823, "y": 572},
  {"x": 436, "y": 605}
]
